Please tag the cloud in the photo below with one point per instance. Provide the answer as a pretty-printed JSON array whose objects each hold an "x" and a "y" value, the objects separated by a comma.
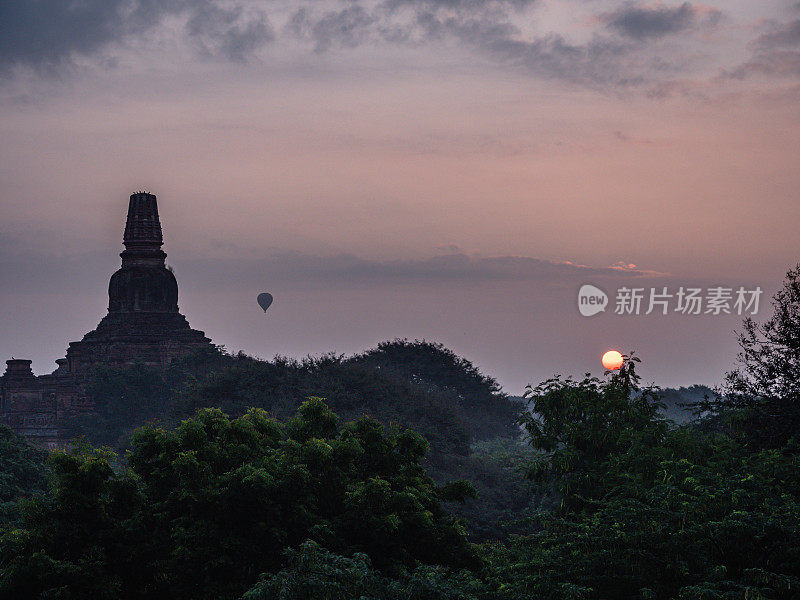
[
  {"x": 489, "y": 29},
  {"x": 599, "y": 62},
  {"x": 31, "y": 272},
  {"x": 470, "y": 5},
  {"x": 231, "y": 32},
  {"x": 786, "y": 35},
  {"x": 485, "y": 28},
  {"x": 348, "y": 269},
  {"x": 616, "y": 50},
  {"x": 47, "y": 34},
  {"x": 347, "y": 28},
  {"x": 775, "y": 53},
  {"x": 640, "y": 22},
  {"x": 504, "y": 32},
  {"x": 402, "y": 21}
]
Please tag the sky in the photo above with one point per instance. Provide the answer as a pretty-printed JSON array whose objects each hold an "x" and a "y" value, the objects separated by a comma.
[{"x": 449, "y": 170}]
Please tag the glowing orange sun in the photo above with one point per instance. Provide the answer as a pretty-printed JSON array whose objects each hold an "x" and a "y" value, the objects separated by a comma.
[{"x": 612, "y": 360}]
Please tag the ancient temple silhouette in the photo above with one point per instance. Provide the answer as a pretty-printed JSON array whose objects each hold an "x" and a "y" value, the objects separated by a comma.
[{"x": 143, "y": 325}]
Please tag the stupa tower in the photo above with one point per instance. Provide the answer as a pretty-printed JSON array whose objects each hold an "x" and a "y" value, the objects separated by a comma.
[{"x": 143, "y": 323}]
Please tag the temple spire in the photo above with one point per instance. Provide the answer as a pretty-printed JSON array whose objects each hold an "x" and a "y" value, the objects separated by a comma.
[
  {"x": 142, "y": 237},
  {"x": 142, "y": 229}
]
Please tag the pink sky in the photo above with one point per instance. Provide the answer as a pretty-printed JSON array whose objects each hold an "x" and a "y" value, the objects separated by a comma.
[{"x": 329, "y": 152}]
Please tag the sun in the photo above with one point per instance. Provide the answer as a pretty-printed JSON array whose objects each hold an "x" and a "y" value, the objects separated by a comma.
[{"x": 612, "y": 360}]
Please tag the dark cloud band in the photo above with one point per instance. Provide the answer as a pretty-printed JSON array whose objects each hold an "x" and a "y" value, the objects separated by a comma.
[{"x": 46, "y": 34}]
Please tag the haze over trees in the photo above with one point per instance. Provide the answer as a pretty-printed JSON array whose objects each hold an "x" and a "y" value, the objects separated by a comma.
[{"x": 415, "y": 477}]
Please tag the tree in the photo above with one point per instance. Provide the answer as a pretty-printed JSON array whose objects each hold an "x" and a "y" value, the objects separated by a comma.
[
  {"x": 764, "y": 392},
  {"x": 695, "y": 517},
  {"x": 78, "y": 541},
  {"x": 649, "y": 510},
  {"x": 202, "y": 510},
  {"x": 482, "y": 404},
  {"x": 127, "y": 396},
  {"x": 315, "y": 573},
  {"x": 420, "y": 385},
  {"x": 578, "y": 426},
  {"x": 22, "y": 472}
]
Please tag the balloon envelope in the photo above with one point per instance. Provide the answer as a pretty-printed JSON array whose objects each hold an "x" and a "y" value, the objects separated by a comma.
[{"x": 264, "y": 300}]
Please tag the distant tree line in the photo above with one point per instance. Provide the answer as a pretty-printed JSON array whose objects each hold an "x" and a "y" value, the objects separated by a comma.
[{"x": 469, "y": 423}]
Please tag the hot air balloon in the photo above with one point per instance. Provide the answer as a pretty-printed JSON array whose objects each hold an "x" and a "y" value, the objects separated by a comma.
[{"x": 264, "y": 300}]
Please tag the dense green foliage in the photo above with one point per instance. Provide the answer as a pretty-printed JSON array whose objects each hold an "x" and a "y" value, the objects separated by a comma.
[
  {"x": 481, "y": 405},
  {"x": 765, "y": 390},
  {"x": 679, "y": 403},
  {"x": 313, "y": 572},
  {"x": 651, "y": 511},
  {"x": 580, "y": 426},
  {"x": 127, "y": 396},
  {"x": 420, "y": 385},
  {"x": 202, "y": 510},
  {"x": 417, "y": 384},
  {"x": 498, "y": 469},
  {"x": 22, "y": 473}
]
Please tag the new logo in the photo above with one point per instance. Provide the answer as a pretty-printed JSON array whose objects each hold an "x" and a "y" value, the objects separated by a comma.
[{"x": 591, "y": 300}]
